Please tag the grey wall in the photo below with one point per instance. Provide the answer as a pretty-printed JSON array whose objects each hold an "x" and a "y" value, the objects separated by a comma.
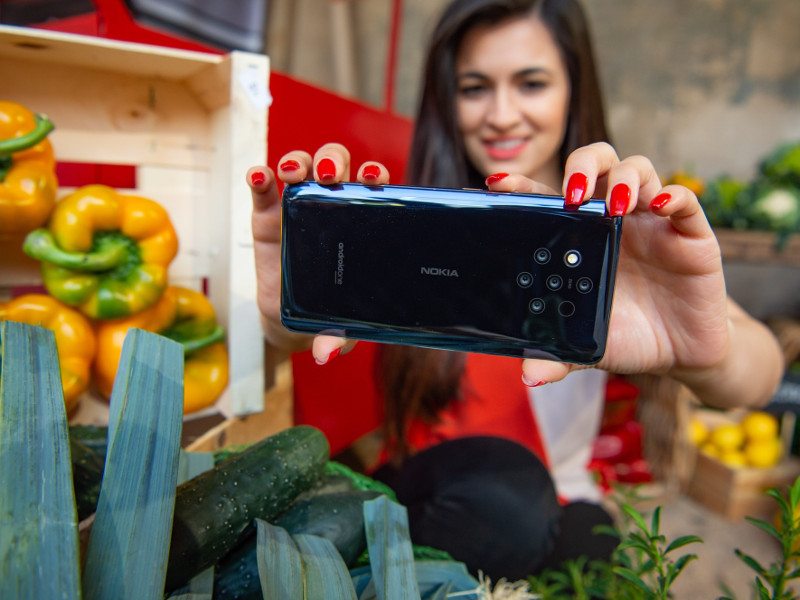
[{"x": 710, "y": 85}]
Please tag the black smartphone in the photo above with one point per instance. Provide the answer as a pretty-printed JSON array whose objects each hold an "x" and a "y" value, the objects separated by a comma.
[{"x": 468, "y": 270}]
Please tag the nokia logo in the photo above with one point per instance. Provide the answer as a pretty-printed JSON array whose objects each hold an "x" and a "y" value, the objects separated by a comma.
[
  {"x": 439, "y": 272},
  {"x": 339, "y": 274}
]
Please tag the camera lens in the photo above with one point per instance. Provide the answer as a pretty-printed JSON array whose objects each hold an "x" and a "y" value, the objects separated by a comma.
[
  {"x": 524, "y": 280},
  {"x": 572, "y": 258},
  {"x": 536, "y": 306},
  {"x": 542, "y": 256},
  {"x": 566, "y": 309},
  {"x": 584, "y": 285},
  {"x": 554, "y": 282}
]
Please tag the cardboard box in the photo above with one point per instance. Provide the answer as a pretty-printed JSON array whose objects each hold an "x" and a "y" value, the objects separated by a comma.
[{"x": 190, "y": 124}]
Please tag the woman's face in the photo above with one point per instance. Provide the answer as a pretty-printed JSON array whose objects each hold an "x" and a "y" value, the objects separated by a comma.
[{"x": 512, "y": 99}]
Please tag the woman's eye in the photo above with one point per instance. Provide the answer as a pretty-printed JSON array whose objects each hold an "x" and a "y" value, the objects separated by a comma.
[
  {"x": 533, "y": 86},
  {"x": 471, "y": 91}
]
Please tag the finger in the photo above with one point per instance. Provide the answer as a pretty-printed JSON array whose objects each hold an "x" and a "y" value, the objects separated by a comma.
[
  {"x": 503, "y": 182},
  {"x": 325, "y": 348},
  {"x": 585, "y": 172},
  {"x": 332, "y": 164},
  {"x": 681, "y": 206},
  {"x": 294, "y": 166},
  {"x": 629, "y": 181},
  {"x": 373, "y": 173},
  {"x": 536, "y": 372},
  {"x": 266, "y": 204}
]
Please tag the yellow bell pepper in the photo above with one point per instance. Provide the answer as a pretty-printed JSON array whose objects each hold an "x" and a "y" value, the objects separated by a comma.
[
  {"x": 75, "y": 340},
  {"x": 27, "y": 169},
  {"x": 185, "y": 316},
  {"x": 105, "y": 253}
]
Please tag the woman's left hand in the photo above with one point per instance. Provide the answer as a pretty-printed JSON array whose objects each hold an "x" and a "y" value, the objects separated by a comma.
[{"x": 671, "y": 314}]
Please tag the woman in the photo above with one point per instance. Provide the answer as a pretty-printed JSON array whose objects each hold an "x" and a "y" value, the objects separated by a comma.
[{"x": 511, "y": 87}]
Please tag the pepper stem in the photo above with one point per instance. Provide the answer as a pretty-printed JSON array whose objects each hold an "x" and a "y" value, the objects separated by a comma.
[
  {"x": 41, "y": 245},
  {"x": 215, "y": 336},
  {"x": 40, "y": 131}
]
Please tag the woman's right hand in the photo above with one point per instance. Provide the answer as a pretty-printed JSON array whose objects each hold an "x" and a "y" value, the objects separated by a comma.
[{"x": 330, "y": 164}]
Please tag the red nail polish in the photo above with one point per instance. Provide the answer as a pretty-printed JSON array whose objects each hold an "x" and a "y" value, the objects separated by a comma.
[
  {"x": 495, "y": 177},
  {"x": 257, "y": 178},
  {"x": 620, "y": 198},
  {"x": 326, "y": 169},
  {"x": 371, "y": 172},
  {"x": 576, "y": 190},
  {"x": 660, "y": 201},
  {"x": 289, "y": 166},
  {"x": 531, "y": 383}
]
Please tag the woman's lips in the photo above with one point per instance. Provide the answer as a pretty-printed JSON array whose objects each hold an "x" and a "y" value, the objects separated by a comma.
[{"x": 504, "y": 149}]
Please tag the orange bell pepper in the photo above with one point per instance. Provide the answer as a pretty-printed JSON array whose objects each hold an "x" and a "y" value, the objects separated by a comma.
[
  {"x": 185, "y": 316},
  {"x": 75, "y": 339}
]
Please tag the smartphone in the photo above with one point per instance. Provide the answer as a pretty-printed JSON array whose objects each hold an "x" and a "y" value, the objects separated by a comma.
[{"x": 468, "y": 270}]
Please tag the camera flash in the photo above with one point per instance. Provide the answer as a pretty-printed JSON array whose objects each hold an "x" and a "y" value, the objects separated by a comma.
[{"x": 572, "y": 258}]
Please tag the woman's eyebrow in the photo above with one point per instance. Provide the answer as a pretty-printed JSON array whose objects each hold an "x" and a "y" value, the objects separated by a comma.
[{"x": 527, "y": 72}]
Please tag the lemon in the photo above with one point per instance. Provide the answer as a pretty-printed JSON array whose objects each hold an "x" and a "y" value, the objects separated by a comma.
[
  {"x": 763, "y": 453},
  {"x": 727, "y": 437},
  {"x": 698, "y": 431},
  {"x": 709, "y": 449},
  {"x": 760, "y": 426},
  {"x": 733, "y": 458}
]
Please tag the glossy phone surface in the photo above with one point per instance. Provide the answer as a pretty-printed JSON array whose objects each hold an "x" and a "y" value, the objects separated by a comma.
[{"x": 468, "y": 270}]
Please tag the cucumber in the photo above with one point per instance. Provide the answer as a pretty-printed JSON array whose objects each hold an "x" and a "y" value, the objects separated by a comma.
[
  {"x": 87, "y": 474},
  {"x": 337, "y": 516},
  {"x": 215, "y": 508}
]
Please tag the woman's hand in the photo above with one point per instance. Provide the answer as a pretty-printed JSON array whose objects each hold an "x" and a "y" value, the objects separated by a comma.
[
  {"x": 671, "y": 314},
  {"x": 330, "y": 164}
]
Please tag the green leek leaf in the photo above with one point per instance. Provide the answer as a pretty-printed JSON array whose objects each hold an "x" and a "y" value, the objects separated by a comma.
[
  {"x": 390, "y": 553},
  {"x": 325, "y": 573},
  {"x": 280, "y": 567},
  {"x": 39, "y": 555},
  {"x": 129, "y": 542}
]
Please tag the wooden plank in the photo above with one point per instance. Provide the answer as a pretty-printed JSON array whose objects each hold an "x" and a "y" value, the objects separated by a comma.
[{"x": 757, "y": 247}]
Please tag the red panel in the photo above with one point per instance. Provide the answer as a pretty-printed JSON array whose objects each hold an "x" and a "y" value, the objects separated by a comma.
[
  {"x": 305, "y": 117},
  {"x": 76, "y": 174}
]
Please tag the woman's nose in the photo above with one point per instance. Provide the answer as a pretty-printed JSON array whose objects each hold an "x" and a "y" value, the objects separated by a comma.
[{"x": 503, "y": 112}]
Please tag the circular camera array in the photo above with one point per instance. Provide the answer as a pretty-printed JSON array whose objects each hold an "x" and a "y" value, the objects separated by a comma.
[{"x": 555, "y": 282}]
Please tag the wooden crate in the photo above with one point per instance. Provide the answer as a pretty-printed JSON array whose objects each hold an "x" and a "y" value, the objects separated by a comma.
[
  {"x": 737, "y": 492},
  {"x": 191, "y": 124},
  {"x": 757, "y": 247}
]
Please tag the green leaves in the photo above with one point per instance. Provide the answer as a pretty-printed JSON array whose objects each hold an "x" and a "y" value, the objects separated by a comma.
[
  {"x": 38, "y": 521},
  {"x": 129, "y": 542}
]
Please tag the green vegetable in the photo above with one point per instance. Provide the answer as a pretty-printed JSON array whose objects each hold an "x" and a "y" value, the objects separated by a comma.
[
  {"x": 725, "y": 201},
  {"x": 776, "y": 208},
  {"x": 213, "y": 510},
  {"x": 338, "y": 517},
  {"x": 783, "y": 165},
  {"x": 87, "y": 475}
]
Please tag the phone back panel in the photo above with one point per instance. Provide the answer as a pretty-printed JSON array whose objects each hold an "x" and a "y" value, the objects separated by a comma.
[{"x": 465, "y": 270}]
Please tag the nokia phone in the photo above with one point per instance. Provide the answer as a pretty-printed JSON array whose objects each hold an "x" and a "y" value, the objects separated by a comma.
[{"x": 467, "y": 270}]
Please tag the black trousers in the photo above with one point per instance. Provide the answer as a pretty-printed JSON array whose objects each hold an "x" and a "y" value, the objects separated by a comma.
[{"x": 492, "y": 505}]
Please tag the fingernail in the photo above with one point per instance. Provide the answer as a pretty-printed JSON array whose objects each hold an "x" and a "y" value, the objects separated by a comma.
[
  {"x": 620, "y": 197},
  {"x": 371, "y": 172},
  {"x": 576, "y": 190},
  {"x": 495, "y": 177},
  {"x": 289, "y": 166},
  {"x": 530, "y": 383},
  {"x": 330, "y": 357},
  {"x": 326, "y": 169},
  {"x": 257, "y": 178},
  {"x": 660, "y": 201}
]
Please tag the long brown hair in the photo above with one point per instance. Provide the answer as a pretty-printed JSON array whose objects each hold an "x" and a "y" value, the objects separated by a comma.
[{"x": 416, "y": 382}]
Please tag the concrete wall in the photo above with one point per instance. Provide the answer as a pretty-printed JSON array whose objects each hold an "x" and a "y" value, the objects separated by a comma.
[{"x": 710, "y": 85}]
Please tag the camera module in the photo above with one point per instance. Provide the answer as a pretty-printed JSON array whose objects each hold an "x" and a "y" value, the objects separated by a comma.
[
  {"x": 536, "y": 306},
  {"x": 542, "y": 256},
  {"x": 524, "y": 280},
  {"x": 584, "y": 285},
  {"x": 554, "y": 282}
]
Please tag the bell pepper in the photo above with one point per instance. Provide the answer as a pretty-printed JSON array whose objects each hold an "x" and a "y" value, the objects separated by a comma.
[
  {"x": 75, "y": 339},
  {"x": 28, "y": 181},
  {"x": 185, "y": 316},
  {"x": 104, "y": 252}
]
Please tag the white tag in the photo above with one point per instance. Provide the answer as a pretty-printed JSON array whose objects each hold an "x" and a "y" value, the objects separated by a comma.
[{"x": 255, "y": 87}]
